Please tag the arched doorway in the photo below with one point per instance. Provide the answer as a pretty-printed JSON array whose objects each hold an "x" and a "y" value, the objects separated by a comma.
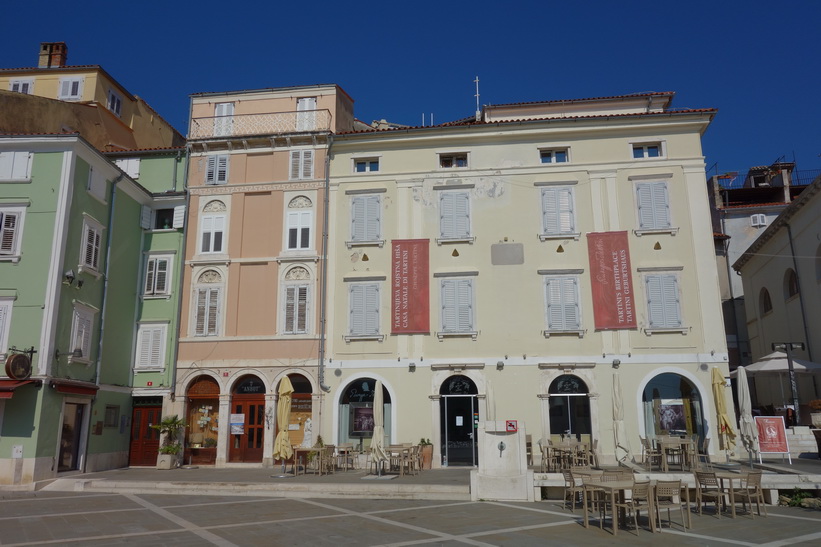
[
  {"x": 672, "y": 406},
  {"x": 356, "y": 413},
  {"x": 203, "y": 421},
  {"x": 301, "y": 412},
  {"x": 569, "y": 408},
  {"x": 459, "y": 418},
  {"x": 247, "y": 420}
]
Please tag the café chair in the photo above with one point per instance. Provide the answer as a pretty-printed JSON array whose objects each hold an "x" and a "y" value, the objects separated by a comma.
[
  {"x": 651, "y": 454},
  {"x": 571, "y": 489},
  {"x": 708, "y": 488},
  {"x": 751, "y": 490},
  {"x": 668, "y": 495},
  {"x": 639, "y": 500}
]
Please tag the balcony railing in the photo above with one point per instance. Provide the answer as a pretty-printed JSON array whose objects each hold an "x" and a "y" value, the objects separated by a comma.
[
  {"x": 766, "y": 179},
  {"x": 274, "y": 123}
]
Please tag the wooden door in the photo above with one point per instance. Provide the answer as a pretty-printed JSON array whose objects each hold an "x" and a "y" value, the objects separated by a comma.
[
  {"x": 145, "y": 441},
  {"x": 246, "y": 446}
]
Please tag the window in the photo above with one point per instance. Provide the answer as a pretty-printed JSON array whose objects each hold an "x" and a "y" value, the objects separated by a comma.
[
  {"x": 663, "y": 303},
  {"x": 366, "y": 165},
  {"x": 302, "y": 164},
  {"x": 790, "y": 283},
  {"x": 207, "y": 295},
  {"x": 562, "y": 304},
  {"x": 216, "y": 170},
  {"x": 299, "y": 219},
  {"x": 115, "y": 102},
  {"x": 162, "y": 219},
  {"x": 306, "y": 114},
  {"x": 5, "y": 324},
  {"x": 557, "y": 211},
  {"x": 96, "y": 184},
  {"x": 22, "y": 85},
  {"x": 151, "y": 346},
  {"x": 15, "y": 166},
  {"x": 131, "y": 166},
  {"x": 450, "y": 161},
  {"x": 223, "y": 119},
  {"x": 92, "y": 238},
  {"x": 653, "y": 206},
  {"x": 71, "y": 89},
  {"x": 296, "y": 309},
  {"x": 765, "y": 303},
  {"x": 81, "y": 324},
  {"x": 213, "y": 230},
  {"x": 366, "y": 212},
  {"x": 11, "y": 228},
  {"x": 758, "y": 220},
  {"x": 457, "y": 306},
  {"x": 112, "y": 416},
  {"x": 363, "y": 299},
  {"x": 558, "y": 155},
  {"x": 648, "y": 150},
  {"x": 157, "y": 275},
  {"x": 454, "y": 215}
]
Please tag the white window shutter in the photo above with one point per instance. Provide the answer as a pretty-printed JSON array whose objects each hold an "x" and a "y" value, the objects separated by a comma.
[
  {"x": 150, "y": 275},
  {"x": 213, "y": 311},
  {"x": 645, "y": 203},
  {"x": 222, "y": 169},
  {"x": 161, "y": 273},
  {"x": 295, "y": 163},
  {"x": 8, "y": 230},
  {"x": 179, "y": 216},
  {"x": 358, "y": 218},
  {"x": 6, "y": 165},
  {"x": 457, "y": 305},
  {"x": 21, "y": 169},
  {"x": 307, "y": 164},
  {"x": 663, "y": 304},
  {"x": 372, "y": 309},
  {"x": 356, "y": 321},
  {"x": 654, "y": 206},
  {"x": 454, "y": 215},
  {"x": 202, "y": 306},
  {"x": 373, "y": 212},
  {"x": 211, "y": 170},
  {"x": 145, "y": 217},
  {"x": 661, "y": 205},
  {"x": 562, "y": 301},
  {"x": 557, "y": 210}
]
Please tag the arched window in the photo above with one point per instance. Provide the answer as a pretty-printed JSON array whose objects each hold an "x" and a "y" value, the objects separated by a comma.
[
  {"x": 569, "y": 408},
  {"x": 296, "y": 289},
  {"x": 790, "y": 283},
  {"x": 765, "y": 303},
  {"x": 356, "y": 412},
  {"x": 672, "y": 406},
  {"x": 207, "y": 304},
  {"x": 202, "y": 420},
  {"x": 299, "y": 221}
]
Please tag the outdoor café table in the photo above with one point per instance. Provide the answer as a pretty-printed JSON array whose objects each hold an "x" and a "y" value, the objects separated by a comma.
[
  {"x": 301, "y": 453},
  {"x": 729, "y": 476},
  {"x": 568, "y": 450},
  {"x": 398, "y": 455},
  {"x": 673, "y": 443},
  {"x": 611, "y": 488}
]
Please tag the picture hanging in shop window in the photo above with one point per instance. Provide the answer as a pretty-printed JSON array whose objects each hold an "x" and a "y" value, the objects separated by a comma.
[{"x": 671, "y": 417}]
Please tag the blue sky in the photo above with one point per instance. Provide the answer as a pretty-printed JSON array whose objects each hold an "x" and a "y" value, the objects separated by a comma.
[{"x": 756, "y": 62}]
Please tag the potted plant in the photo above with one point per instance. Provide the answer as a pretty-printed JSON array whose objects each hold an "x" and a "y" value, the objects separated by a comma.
[
  {"x": 170, "y": 448},
  {"x": 426, "y": 450},
  {"x": 815, "y": 415}
]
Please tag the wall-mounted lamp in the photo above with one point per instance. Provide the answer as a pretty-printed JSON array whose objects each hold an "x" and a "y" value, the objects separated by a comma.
[
  {"x": 76, "y": 354},
  {"x": 412, "y": 367},
  {"x": 68, "y": 277},
  {"x": 500, "y": 365},
  {"x": 616, "y": 363}
]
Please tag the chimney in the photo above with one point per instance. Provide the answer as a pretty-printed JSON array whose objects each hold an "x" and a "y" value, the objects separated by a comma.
[{"x": 53, "y": 54}]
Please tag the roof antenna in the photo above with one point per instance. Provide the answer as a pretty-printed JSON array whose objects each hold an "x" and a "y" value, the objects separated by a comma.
[{"x": 478, "y": 112}]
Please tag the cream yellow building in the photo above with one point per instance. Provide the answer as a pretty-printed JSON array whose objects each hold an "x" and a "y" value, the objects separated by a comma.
[{"x": 513, "y": 266}]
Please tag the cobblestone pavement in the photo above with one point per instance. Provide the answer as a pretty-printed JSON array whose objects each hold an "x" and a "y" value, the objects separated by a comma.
[{"x": 60, "y": 518}]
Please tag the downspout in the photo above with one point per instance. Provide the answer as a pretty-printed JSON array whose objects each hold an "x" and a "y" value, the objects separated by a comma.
[
  {"x": 175, "y": 353},
  {"x": 103, "y": 305},
  {"x": 176, "y": 161},
  {"x": 800, "y": 292},
  {"x": 324, "y": 270},
  {"x": 736, "y": 319}
]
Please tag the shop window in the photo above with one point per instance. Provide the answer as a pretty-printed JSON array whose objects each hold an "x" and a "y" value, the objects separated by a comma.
[
  {"x": 569, "y": 409},
  {"x": 672, "y": 406}
]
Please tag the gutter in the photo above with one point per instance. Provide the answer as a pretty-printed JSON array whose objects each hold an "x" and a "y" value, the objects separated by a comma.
[
  {"x": 800, "y": 292},
  {"x": 324, "y": 283}
]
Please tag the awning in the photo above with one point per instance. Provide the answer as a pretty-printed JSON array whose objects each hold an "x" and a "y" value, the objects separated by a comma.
[
  {"x": 7, "y": 387},
  {"x": 74, "y": 387}
]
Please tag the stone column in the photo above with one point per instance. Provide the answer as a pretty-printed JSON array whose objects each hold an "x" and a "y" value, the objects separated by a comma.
[{"x": 224, "y": 433}]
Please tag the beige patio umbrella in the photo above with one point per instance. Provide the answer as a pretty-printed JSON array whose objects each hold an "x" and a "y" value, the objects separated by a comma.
[
  {"x": 747, "y": 428},
  {"x": 282, "y": 444},
  {"x": 619, "y": 433},
  {"x": 378, "y": 453},
  {"x": 725, "y": 428}
]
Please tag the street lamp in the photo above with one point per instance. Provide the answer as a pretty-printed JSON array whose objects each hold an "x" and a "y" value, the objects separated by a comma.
[{"x": 788, "y": 347}]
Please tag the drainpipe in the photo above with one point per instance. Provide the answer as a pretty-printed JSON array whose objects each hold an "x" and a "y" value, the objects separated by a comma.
[
  {"x": 174, "y": 181},
  {"x": 175, "y": 352},
  {"x": 800, "y": 293},
  {"x": 736, "y": 319},
  {"x": 324, "y": 270},
  {"x": 103, "y": 306}
]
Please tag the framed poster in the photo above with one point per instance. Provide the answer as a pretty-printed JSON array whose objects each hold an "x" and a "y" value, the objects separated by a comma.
[
  {"x": 772, "y": 436},
  {"x": 671, "y": 416},
  {"x": 361, "y": 422}
]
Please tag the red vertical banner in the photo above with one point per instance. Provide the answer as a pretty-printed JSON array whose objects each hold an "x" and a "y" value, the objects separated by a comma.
[
  {"x": 410, "y": 302},
  {"x": 611, "y": 280}
]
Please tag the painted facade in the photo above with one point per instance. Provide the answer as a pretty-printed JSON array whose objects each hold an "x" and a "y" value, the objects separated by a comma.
[
  {"x": 252, "y": 283},
  {"x": 463, "y": 266}
]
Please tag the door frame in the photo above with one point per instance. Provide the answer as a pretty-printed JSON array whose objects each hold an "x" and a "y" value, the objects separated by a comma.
[{"x": 443, "y": 417}]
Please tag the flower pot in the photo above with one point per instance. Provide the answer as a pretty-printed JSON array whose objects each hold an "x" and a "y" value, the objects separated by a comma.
[
  {"x": 166, "y": 461},
  {"x": 427, "y": 455}
]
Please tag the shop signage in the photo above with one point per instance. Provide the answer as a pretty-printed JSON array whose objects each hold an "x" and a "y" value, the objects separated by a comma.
[
  {"x": 611, "y": 281},
  {"x": 410, "y": 312},
  {"x": 772, "y": 435},
  {"x": 237, "y": 424}
]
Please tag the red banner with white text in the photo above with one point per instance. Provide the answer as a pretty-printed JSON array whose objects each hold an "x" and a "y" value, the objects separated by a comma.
[
  {"x": 611, "y": 281},
  {"x": 772, "y": 435},
  {"x": 410, "y": 305}
]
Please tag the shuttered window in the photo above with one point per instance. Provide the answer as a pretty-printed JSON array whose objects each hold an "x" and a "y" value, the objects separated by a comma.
[
  {"x": 366, "y": 218},
  {"x": 296, "y": 309},
  {"x": 223, "y": 119},
  {"x": 151, "y": 346},
  {"x": 207, "y": 313},
  {"x": 82, "y": 321},
  {"x": 306, "y": 114},
  {"x": 216, "y": 171},
  {"x": 157, "y": 273},
  {"x": 457, "y": 306},
  {"x": 213, "y": 229},
  {"x": 302, "y": 164},
  {"x": 654, "y": 206},
  {"x": 454, "y": 215},
  {"x": 557, "y": 211},
  {"x": 9, "y": 232},
  {"x": 663, "y": 305},
  {"x": 131, "y": 166},
  {"x": 92, "y": 238},
  {"x": 364, "y": 309},
  {"x": 15, "y": 165},
  {"x": 562, "y": 303},
  {"x": 71, "y": 89}
]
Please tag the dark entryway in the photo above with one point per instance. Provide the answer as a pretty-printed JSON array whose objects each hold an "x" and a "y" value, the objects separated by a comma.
[
  {"x": 459, "y": 414},
  {"x": 247, "y": 423},
  {"x": 145, "y": 440}
]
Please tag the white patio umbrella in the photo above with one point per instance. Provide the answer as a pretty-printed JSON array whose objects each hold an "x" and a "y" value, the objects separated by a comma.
[
  {"x": 747, "y": 428},
  {"x": 619, "y": 433},
  {"x": 282, "y": 443},
  {"x": 776, "y": 362},
  {"x": 378, "y": 453}
]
